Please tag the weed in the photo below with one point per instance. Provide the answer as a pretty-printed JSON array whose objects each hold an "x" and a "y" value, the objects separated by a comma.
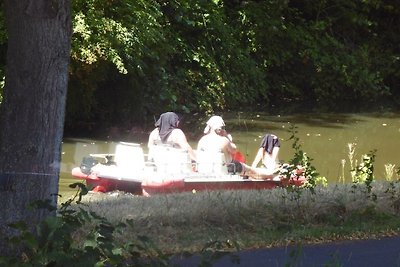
[
  {"x": 364, "y": 172},
  {"x": 389, "y": 171},
  {"x": 302, "y": 160}
]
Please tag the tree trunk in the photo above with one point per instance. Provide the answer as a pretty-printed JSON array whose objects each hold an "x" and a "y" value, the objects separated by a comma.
[{"x": 32, "y": 113}]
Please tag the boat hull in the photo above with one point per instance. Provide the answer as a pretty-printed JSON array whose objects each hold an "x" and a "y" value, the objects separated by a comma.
[
  {"x": 103, "y": 184},
  {"x": 202, "y": 184},
  {"x": 185, "y": 183},
  {"x": 179, "y": 186},
  {"x": 169, "y": 172}
]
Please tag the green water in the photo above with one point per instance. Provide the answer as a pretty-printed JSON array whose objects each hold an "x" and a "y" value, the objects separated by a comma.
[{"x": 324, "y": 137}]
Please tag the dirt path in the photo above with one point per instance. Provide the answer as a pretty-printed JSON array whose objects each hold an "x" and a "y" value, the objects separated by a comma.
[{"x": 384, "y": 252}]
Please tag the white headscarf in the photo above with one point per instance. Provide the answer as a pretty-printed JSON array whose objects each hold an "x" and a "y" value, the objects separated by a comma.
[{"x": 214, "y": 123}]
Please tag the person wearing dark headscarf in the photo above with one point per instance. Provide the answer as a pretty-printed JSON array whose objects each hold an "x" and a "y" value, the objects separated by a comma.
[
  {"x": 268, "y": 152},
  {"x": 167, "y": 122},
  {"x": 168, "y": 133}
]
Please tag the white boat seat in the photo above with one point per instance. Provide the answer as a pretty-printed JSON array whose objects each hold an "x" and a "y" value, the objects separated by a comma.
[
  {"x": 129, "y": 163},
  {"x": 168, "y": 159},
  {"x": 211, "y": 162},
  {"x": 129, "y": 157}
]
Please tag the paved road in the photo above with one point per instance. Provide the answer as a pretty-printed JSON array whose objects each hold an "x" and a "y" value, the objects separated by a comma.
[{"x": 384, "y": 252}]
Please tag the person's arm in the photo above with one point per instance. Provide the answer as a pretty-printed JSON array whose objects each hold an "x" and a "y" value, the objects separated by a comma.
[
  {"x": 258, "y": 158},
  {"x": 230, "y": 145},
  {"x": 231, "y": 148}
]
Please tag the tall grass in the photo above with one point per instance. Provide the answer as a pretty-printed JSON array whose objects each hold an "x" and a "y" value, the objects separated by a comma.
[
  {"x": 389, "y": 171},
  {"x": 253, "y": 218}
]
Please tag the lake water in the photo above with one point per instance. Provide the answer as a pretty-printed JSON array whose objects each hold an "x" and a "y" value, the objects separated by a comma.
[{"x": 324, "y": 137}]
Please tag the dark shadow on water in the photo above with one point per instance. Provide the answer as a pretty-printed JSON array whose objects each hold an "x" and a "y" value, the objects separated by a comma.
[
  {"x": 260, "y": 121},
  {"x": 253, "y": 121}
]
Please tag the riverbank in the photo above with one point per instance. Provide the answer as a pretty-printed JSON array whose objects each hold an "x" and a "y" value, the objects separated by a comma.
[{"x": 231, "y": 220}]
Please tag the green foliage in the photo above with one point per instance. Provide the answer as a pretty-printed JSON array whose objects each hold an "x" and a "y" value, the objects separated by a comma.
[
  {"x": 132, "y": 60},
  {"x": 114, "y": 44},
  {"x": 53, "y": 243},
  {"x": 300, "y": 160},
  {"x": 114, "y": 31},
  {"x": 364, "y": 172}
]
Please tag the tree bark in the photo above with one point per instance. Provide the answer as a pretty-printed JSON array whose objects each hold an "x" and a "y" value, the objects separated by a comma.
[{"x": 32, "y": 113}]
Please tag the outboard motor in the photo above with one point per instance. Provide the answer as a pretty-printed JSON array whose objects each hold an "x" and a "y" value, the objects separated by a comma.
[{"x": 87, "y": 164}]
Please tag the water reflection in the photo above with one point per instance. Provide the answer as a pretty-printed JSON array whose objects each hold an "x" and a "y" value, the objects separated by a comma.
[
  {"x": 324, "y": 137},
  {"x": 73, "y": 150}
]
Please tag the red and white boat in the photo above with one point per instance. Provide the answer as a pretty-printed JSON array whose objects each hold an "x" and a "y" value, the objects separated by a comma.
[{"x": 170, "y": 171}]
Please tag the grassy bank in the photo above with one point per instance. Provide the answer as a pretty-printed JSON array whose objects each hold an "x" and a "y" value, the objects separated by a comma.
[
  {"x": 250, "y": 219},
  {"x": 120, "y": 229}
]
